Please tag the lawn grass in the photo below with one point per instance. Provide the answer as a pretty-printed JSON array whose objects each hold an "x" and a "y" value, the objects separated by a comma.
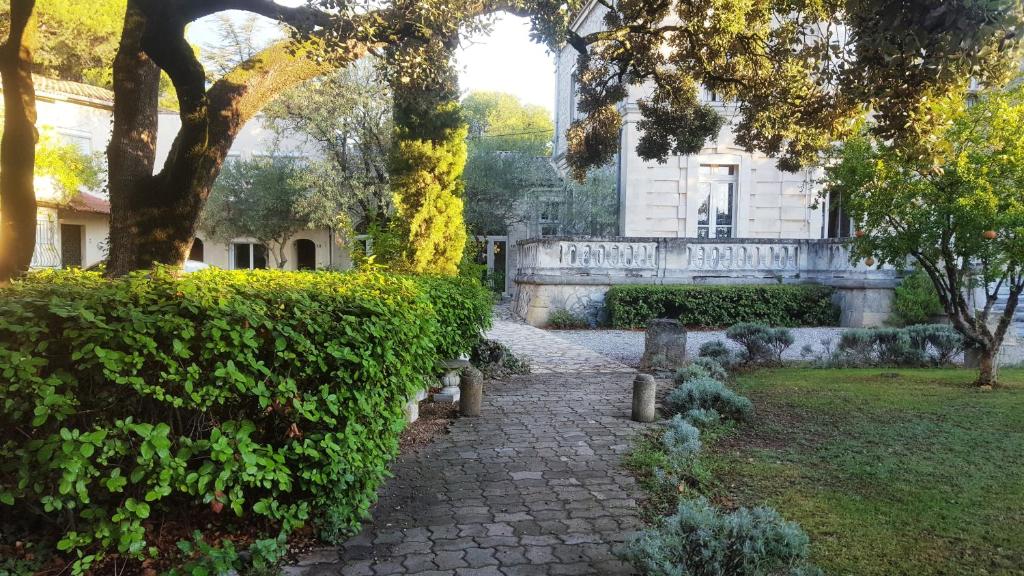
[{"x": 888, "y": 471}]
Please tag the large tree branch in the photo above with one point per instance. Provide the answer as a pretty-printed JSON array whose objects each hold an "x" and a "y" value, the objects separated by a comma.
[{"x": 302, "y": 17}]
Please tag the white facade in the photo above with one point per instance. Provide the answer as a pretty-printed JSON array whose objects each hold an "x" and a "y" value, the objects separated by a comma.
[
  {"x": 83, "y": 115},
  {"x": 722, "y": 192}
]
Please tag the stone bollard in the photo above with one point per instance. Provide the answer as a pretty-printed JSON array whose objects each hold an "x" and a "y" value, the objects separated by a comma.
[
  {"x": 664, "y": 345},
  {"x": 644, "y": 391},
  {"x": 471, "y": 391}
]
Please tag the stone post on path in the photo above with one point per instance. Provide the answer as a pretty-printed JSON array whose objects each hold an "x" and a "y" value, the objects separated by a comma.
[
  {"x": 644, "y": 391},
  {"x": 664, "y": 345},
  {"x": 471, "y": 392}
]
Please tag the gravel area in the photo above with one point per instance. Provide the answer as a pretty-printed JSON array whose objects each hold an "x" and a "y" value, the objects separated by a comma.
[{"x": 627, "y": 346}]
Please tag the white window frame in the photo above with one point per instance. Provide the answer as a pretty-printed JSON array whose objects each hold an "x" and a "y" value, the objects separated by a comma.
[
  {"x": 81, "y": 139},
  {"x": 251, "y": 245},
  {"x": 712, "y": 179}
]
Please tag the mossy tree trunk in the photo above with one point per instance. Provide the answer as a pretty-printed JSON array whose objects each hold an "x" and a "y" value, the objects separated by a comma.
[
  {"x": 154, "y": 217},
  {"x": 18, "y": 146}
]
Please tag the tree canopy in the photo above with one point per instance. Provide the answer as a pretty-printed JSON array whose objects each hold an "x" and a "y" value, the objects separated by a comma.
[
  {"x": 76, "y": 41},
  {"x": 258, "y": 198},
  {"x": 801, "y": 73},
  {"x": 346, "y": 116},
  {"x": 499, "y": 121},
  {"x": 959, "y": 214}
]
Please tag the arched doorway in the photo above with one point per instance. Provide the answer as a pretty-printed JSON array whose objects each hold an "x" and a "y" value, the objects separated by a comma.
[
  {"x": 305, "y": 254},
  {"x": 197, "y": 252}
]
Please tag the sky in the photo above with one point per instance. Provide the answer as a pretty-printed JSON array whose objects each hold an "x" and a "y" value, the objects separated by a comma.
[{"x": 506, "y": 60}]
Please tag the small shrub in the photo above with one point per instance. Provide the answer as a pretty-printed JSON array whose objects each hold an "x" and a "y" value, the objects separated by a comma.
[
  {"x": 761, "y": 344},
  {"x": 915, "y": 300},
  {"x": 495, "y": 360},
  {"x": 706, "y": 393},
  {"x": 893, "y": 347},
  {"x": 682, "y": 439},
  {"x": 703, "y": 417},
  {"x": 942, "y": 340},
  {"x": 566, "y": 320},
  {"x": 691, "y": 372},
  {"x": 699, "y": 540},
  {"x": 716, "y": 306},
  {"x": 716, "y": 350},
  {"x": 713, "y": 367},
  {"x": 856, "y": 347},
  {"x": 912, "y": 346}
]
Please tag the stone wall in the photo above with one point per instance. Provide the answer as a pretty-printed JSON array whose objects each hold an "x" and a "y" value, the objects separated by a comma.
[{"x": 575, "y": 273}]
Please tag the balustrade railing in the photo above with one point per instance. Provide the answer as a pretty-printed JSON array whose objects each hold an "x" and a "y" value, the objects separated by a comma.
[{"x": 681, "y": 258}]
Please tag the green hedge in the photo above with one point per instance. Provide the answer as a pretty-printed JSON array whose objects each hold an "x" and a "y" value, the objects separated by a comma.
[
  {"x": 273, "y": 396},
  {"x": 718, "y": 306},
  {"x": 463, "y": 308}
]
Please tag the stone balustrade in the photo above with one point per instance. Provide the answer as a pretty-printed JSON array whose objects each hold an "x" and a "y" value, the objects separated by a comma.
[{"x": 574, "y": 273}]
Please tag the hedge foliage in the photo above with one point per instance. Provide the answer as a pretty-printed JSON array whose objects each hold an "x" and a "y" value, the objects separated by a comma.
[
  {"x": 276, "y": 397},
  {"x": 717, "y": 306},
  {"x": 463, "y": 309}
]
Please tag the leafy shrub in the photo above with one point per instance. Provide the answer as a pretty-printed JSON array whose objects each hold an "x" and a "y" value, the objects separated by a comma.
[
  {"x": 690, "y": 372},
  {"x": 566, "y": 320},
  {"x": 275, "y": 397},
  {"x": 915, "y": 300},
  {"x": 713, "y": 367},
  {"x": 716, "y": 350},
  {"x": 761, "y": 344},
  {"x": 463, "y": 309},
  {"x": 264, "y": 557},
  {"x": 682, "y": 439},
  {"x": 703, "y": 417},
  {"x": 699, "y": 540},
  {"x": 708, "y": 394},
  {"x": 716, "y": 306},
  {"x": 495, "y": 360}
]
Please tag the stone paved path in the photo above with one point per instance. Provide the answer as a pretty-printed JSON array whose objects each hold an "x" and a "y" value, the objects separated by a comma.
[
  {"x": 532, "y": 487},
  {"x": 550, "y": 354}
]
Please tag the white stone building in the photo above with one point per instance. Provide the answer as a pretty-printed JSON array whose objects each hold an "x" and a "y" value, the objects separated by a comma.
[
  {"x": 723, "y": 192},
  {"x": 76, "y": 233}
]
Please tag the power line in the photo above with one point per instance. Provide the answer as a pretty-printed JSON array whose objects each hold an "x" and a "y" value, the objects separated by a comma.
[{"x": 544, "y": 131}]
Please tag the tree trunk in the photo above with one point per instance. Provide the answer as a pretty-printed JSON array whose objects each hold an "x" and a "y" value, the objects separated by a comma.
[
  {"x": 131, "y": 154},
  {"x": 160, "y": 214},
  {"x": 18, "y": 146},
  {"x": 987, "y": 366}
]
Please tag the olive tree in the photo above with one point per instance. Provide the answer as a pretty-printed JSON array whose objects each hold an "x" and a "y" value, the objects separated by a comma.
[{"x": 960, "y": 217}]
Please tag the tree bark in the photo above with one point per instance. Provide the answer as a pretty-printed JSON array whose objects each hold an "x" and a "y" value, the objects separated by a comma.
[
  {"x": 18, "y": 146},
  {"x": 131, "y": 154},
  {"x": 987, "y": 367}
]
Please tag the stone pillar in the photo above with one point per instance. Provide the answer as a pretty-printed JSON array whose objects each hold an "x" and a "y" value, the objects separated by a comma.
[
  {"x": 665, "y": 345},
  {"x": 644, "y": 391},
  {"x": 472, "y": 390}
]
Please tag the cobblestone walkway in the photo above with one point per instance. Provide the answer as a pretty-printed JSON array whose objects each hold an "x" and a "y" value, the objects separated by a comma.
[
  {"x": 550, "y": 354},
  {"x": 534, "y": 486}
]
